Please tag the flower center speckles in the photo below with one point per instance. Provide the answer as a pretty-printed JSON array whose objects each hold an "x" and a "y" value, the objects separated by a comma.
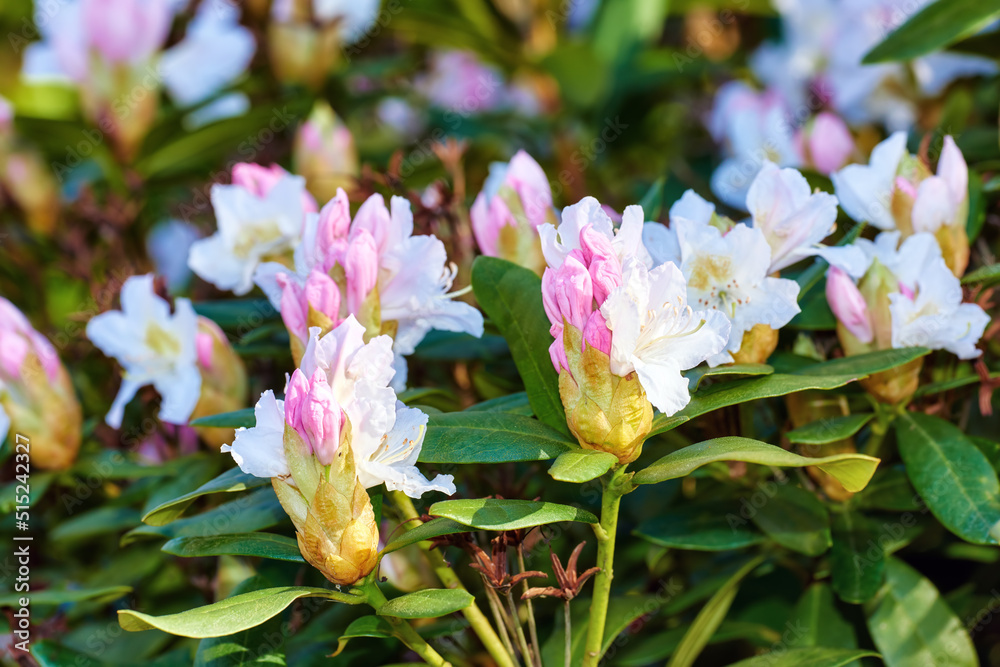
[
  {"x": 161, "y": 341},
  {"x": 265, "y": 233}
]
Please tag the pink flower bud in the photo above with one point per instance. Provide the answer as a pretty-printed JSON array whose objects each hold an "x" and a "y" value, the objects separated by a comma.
[
  {"x": 361, "y": 268},
  {"x": 293, "y": 310},
  {"x": 519, "y": 184},
  {"x": 955, "y": 172},
  {"x": 567, "y": 292},
  {"x": 557, "y": 350},
  {"x": 829, "y": 143},
  {"x": 906, "y": 187},
  {"x": 203, "y": 343},
  {"x": 259, "y": 180},
  {"x": 13, "y": 351},
  {"x": 322, "y": 295},
  {"x": 312, "y": 410},
  {"x": 334, "y": 223},
  {"x": 848, "y": 304},
  {"x": 596, "y": 332},
  {"x": 126, "y": 31}
]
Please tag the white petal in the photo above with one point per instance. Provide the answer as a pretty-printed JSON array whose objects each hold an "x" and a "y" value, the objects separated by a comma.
[
  {"x": 125, "y": 394},
  {"x": 666, "y": 388},
  {"x": 260, "y": 450},
  {"x": 693, "y": 207},
  {"x": 661, "y": 242},
  {"x": 179, "y": 393},
  {"x": 865, "y": 191},
  {"x": 933, "y": 205}
]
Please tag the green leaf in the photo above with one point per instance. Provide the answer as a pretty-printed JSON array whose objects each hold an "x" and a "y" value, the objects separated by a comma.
[
  {"x": 710, "y": 618},
  {"x": 935, "y": 26},
  {"x": 238, "y": 418},
  {"x": 824, "y": 431},
  {"x": 100, "y": 521},
  {"x": 366, "y": 626},
  {"x": 740, "y": 391},
  {"x": 984, "y": 275},
  {"x": 857, "y": 560},
  {"x": 40, "y": 483},
  {"x": 236, "y": 313},
  {"x": 795, "y": 519},
  {"x": 862, "y": 365},
  {"x": 233, "y": 614},
  {"x": 261, "y": 645},
  {"x": 231, "y": 481},
  {"x": 951, "y": 474},
  {"x": 912, "y": 625},
  {"x": 707, "y": 526},
  {"x": 511, "y": 296},
  {"x": 852, "y": 470},
  {"x": 814, "y": 656},
  {"x": 255, "y": 511},
  {"x": 582, "y": 465},
  {"x": 261, "y": 545},
  {"x": 426, "y": 531},
  {"x": 696, "y": 375},
  {"x": 491, "y": 514},
  {"x": 490, "y": 437},
  {"x": 55, "y": 596},
  {"x": 427, "y": 604},
  {"x": 516, "y": 403},
  {"x": 816, "y": 612},
  {"x": 50, "y": 654},
  {"x": 891, "y": 490}
]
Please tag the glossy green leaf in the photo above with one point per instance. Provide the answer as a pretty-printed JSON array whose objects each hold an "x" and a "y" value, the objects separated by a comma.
[
  {"x": 582, "y": 465},
  {"x": 890, "y": 489},
  {"x": 952, "y": 475},
  {"x": 725, "y": 394},
  {"x": 100, "y": 521},
  {"x": 490, "y": 437},
  {"x": 814, "y": 656},
  {"x": 516, "y": 403},
  {"x": 512, "y": 298},
  {"x": 50, "y": 654},
  {"x": 251, "y": 647},
  {"x": 824, "y": 431},
  {"x": 255, "y": 511},
  {"x": 491, "y": 514},
  {"x": 852, "y": 470},
  {"x": 912, "y": 625},
  {"x": 710, "y": 618},
  {"x": 233, "y": 614},
  {"x": 366, "y": 626},
  {"x": 238, "y": 418},
  {"x": 430, "y": 603},
  {"x": 425, "y": 531},
  {"x": 857, "y": 559},
  {"x": 708, "y": 526},
  {"x": 654, "y": 648},
  {"x": 816, "y": 614},
  {"x": 231, "y": 481},
  {"x": 862, "y": 365},
  {"x": 261, "y": 545},
  {"x": 236, "y": 313},
  {"x": 795, "y": 519},
  {"x": 696, "y": 375},
  {"x": 984, "y": 275},
  {"x": 932, "y": 28}
]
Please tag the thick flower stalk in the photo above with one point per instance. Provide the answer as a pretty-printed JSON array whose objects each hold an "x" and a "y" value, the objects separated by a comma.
[
  {"x": 623, "y": 332},
  {"x": 906, "y": 297},
  {"x": 339, "y": 431},
  {"x": 260, "y": 218},
  {"x": 324, "y": 153},
  {"x": 727, "y": 265},
  {"x": 37, "y": 400},
  {"x": 185, "y": 357},
  {"x": 372, "y": 268},
  {"x": 897, "y": 190},
  {"x": 514, "y": 202}
]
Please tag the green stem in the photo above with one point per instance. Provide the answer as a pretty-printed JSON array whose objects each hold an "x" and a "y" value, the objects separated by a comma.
[
  {"x": 500, "y": 616},
  {"x": 883, "y": 419},
  {"x": 477, "y": 620},
  {"x": 614, "y": 489},
  {"x": 522, "y": 641},
  {"x": 568, "y": 652},
  {"x": 404, "y": 631}
]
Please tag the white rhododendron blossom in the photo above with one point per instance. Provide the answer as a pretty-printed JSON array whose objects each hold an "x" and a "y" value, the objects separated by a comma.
[
  {"x": 795, "y": 220},
  {"x": 353, "y": 378},
  {"x": 260, "y": 216},
  {"x": 940, "y": 198},
  {"x": 865, "y": 190},
  {"x": 600, "y": 281},
  {"x": 391, "y": 280},
  {"x": 154, "y": 346},
  {"x": 927, "y": 309}
]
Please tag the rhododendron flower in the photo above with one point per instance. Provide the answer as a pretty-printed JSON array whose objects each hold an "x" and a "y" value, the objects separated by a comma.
[
  {"x": 458, "y": 81},
  {"x": 324, "y": 153},
  {"x": 848, "y": 304},
  {"x": 154, "y": 346},
  {"x": 866, "y": 191},
  {"x": 826, "y": 143},
  {"x": 36, "y": 394},
  {"x": 260, "y": 218},
  {"x": 340, "y": 393},
  {"x": 623, "y": 333},
  {"x": 515, "y": 200},
  {"x": 794, "y": 220},
  {"x": 943, "y": 199},
  {"x": 372, "y": 267},
  {"x": 753, "y": 127}
]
